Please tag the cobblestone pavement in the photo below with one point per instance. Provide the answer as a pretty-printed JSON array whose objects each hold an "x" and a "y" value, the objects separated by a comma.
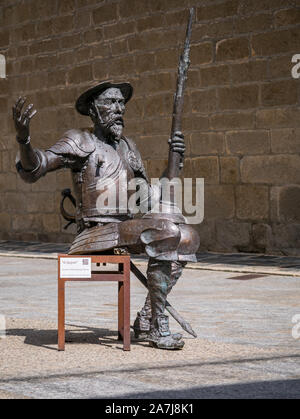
[
  {"x": 244, "y": 349},
  {"x": 231, "y": 262}
]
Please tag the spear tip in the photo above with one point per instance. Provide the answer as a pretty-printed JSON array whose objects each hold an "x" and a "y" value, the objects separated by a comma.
[{"x": 187, "y": 327}]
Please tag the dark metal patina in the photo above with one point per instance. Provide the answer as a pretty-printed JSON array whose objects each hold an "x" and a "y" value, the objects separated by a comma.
[{"x": 102, "y": 156}]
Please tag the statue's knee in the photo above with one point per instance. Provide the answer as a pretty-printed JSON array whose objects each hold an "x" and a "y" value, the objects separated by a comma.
[
  {"x": 158, "y": 274},
  {"x": 189, "y": 240},
  {"x": 161, "y": 240}
]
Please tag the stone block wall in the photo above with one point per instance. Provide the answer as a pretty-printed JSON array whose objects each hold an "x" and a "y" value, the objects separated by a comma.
[{"x": 241, "y": 118}]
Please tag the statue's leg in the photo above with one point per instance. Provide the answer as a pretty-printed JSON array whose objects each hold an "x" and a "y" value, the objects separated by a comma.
[
  {"x": 159, "y": 275},
  {"x": 165, "y": 243},
  {"x": 176, "y": 272},
  {"x": 142, "y": 322}
]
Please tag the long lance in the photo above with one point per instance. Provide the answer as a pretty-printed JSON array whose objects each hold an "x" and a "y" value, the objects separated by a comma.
[
  {"x": 175, "y": 160},
  {"x": 183, "y": 323}
]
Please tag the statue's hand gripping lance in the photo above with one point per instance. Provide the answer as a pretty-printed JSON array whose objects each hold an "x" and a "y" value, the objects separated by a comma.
[{"x": 175, "y": 159}]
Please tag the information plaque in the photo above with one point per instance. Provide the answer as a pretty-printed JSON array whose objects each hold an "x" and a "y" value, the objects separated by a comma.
[{"x": 75, "y": 267}]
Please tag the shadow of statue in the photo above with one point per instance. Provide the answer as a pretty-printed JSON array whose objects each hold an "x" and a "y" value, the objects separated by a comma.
[{"x": 75, "y": 334}]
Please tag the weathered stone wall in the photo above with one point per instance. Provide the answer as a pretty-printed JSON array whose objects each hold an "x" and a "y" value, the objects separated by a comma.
[{"x": 241, "y": 120}]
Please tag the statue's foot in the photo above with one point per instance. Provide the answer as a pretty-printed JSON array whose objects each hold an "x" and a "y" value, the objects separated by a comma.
[
  {"x": 160, "y": 336},
  {"x": 141, "y": 326}
]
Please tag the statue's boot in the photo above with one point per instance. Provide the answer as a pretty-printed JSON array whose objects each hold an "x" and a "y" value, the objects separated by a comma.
[
  {"x": 159, "y": 275},
  {"x": 143, "y": 319},
  {"x": 160, "y": 336}
]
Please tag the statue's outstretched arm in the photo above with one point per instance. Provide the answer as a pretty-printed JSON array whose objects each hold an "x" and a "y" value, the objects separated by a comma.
[
  {"x": 32, "y": 163},
  {"x": 28, "y": 157}
]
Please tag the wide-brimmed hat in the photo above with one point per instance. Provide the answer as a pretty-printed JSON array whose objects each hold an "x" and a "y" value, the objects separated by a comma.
[{"x": 83, "y": 102}]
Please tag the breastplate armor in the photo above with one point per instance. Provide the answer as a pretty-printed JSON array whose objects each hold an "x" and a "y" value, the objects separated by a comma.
[{"x": 103, "y": 180}]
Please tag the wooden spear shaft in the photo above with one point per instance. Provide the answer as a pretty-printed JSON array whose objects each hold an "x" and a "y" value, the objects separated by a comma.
[{"x": 174, "y": 162}]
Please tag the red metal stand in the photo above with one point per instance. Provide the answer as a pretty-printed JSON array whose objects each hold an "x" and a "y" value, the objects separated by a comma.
[{"x": 122, "y": 276}]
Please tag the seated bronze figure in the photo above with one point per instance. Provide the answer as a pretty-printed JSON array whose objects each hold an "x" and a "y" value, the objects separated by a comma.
[{"x": 105, "y": 154}]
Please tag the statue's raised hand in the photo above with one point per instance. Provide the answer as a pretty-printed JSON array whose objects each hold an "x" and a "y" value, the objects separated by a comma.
[
  {"x": 177, "y": 143},
  {"x": 22, "y": 120}
]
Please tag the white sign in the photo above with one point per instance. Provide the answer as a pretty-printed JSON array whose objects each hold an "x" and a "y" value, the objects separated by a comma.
[
  {"x": 296, "y": 328},
  {"x": 2, "y": 67},
  {"x": 296, "y": 68},
  {"x": 75, "y": 268}
]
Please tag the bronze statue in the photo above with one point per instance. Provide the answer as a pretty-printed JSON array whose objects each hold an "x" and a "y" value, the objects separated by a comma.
[{"x": 98, "y": 160}]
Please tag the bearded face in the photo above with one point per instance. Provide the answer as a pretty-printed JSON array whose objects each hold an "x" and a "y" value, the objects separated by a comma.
[{"x": 109, "y": 107}]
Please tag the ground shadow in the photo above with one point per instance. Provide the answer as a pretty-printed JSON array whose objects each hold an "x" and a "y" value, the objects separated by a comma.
[
  {"x": 159, "y": 366},
  {"x": 279, "y": 389},
  {"x": 248, "y": 259},
  {"x": 264, "y": 389},
  {"x": 74, "y": 334}
]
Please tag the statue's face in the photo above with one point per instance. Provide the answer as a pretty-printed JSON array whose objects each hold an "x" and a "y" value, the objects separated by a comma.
[{"x": 111, "y": 107}]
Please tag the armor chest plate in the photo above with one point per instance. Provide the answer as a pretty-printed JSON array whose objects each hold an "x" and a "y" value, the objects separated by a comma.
[{"x": 104, "y": 180}]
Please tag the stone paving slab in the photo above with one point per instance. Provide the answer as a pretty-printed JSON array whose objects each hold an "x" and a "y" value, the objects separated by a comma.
[{"x": 233, "y": 262}]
